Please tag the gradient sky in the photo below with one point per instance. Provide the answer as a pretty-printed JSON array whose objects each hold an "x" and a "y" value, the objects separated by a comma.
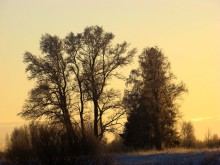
[{"x": 187, "y": 31}]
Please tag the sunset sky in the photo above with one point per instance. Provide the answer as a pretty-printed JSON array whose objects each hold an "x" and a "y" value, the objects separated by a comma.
[{"x": 187, "y": 31}]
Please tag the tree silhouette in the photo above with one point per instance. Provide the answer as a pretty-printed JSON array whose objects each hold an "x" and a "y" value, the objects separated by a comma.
[
  {"x": 95, "y": 63},
  {"x": 187, "y": 135},
  {"x": 72, "y": 73},
  {"x": 150, "y": 101},
  {"x": 73, "y": 45},
  {"x": 51, "y": 96}
]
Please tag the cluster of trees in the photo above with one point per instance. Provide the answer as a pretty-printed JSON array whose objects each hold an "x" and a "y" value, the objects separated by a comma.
[
  {"x": 188, "y": 139},
  {"x": 211, "y": 141},
  {"x": 72, "y": 77},
  {"x": 74, "y": 97},
  {"x": 72, "y": 92}
]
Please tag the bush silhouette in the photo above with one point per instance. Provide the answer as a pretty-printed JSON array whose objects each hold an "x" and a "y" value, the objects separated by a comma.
[{"x": 45, "y": 143}]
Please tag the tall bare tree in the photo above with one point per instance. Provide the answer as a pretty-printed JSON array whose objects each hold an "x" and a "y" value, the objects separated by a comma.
[
  {"x": 73, "y": 45},
  {"x": 51, "y": 96},
  {"x": 93, "y": 51}
]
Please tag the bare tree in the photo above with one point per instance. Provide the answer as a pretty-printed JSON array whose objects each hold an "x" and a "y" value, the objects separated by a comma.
[
  {"x": 51, "y": 96},
  {"x": 208, "y": 137},
  {"x": 73, "y": 45},
  {"x": 110, "y": 106},
  {"x": 93, "y": 51}
]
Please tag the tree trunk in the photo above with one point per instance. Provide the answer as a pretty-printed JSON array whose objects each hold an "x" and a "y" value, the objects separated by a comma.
[
  {"x": 101, "y": 126},
  {"x": 158, "y": 139},
  {"x": 68, "y": 125},
  {"x": 81, "y": 110},
  {"x": 158, "y": 144},
  {"x": 72, "y": 137},
  {"x": 82, "y": 126},
  {"x": 96, "y": 130}
]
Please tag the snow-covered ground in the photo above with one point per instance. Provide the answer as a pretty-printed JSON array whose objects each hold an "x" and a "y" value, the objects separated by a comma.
[
  {"x": 188, "y": 158},
  {"x": 196, "y": 158}
]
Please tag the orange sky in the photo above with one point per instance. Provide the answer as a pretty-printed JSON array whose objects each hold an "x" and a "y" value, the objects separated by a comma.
[{"x": 187, "y": 31}]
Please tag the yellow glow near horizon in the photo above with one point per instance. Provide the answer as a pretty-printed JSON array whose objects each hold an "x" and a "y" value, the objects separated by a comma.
[{"x": 187, "y": 31}]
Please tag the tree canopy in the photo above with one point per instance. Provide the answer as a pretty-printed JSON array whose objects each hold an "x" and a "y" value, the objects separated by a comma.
[
  {"x": 72, "y": 75},
  {"x": 150, "y": 101}
]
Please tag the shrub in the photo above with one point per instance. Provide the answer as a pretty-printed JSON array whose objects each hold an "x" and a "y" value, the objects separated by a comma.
[
  {"x": 90, "y": 145},
  {"x": 48, "y": 144},
  {"x": 19, "y": 148},
  {"x": 117, "y": 146}
]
